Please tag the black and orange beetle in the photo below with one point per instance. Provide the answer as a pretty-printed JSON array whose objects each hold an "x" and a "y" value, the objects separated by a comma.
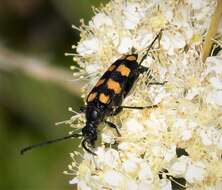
[{"x": 106, "y": 97}]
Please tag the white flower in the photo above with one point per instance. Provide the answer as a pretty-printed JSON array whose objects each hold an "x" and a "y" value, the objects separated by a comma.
[
  {"x": 179, "y": 166},
  {"x": 186, "y": 135},
  {"x": 108, "y": 137},
  {"x": 125, "y": 45},
  {"x": 145, "y": 173},
  {"x": 213, "y": 74},
  {"x": 92, "y": 68},
  {"x": 101, "y": 19},
  {"x": 170, "y": 153},
  {"x": 188, "y": 115},
  {"x": 143, "y": 38},
  {"x": 220, "y": 143},
  {"x": 214, "y": 65},
  {"x": 215, "y": 187},
  {"x": 170, "y": 42},
  {"x": 216, "y": 82},
  {"x": 130, "y": 166},
  {"x": 88, "y": 46},
  {"x": 134, "y": 126},
  {"x": 195, "y": 172},
  {"x": 132, "y": 185},
  {"x": 207, "y": 138},
  {"x": 132, "y": 13},
  {"x": 214, "y": 97},
  {"x": 165, "y": 184},
  {"x": 196, "y": 4},
  {"x": 107, "y": 157},
  {"x": 83, "y": 185},
  {"x": 193, "y": 92},
  {"x": 74, "y": 181},
  {"x": 145, "y": 186},
  {"x": 113, "y": 178}
]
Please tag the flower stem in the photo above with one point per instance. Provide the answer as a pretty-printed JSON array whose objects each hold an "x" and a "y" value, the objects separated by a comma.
[{"x": 212, "y": 30}]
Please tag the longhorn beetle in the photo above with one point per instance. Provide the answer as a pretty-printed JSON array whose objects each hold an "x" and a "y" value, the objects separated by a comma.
[{"x": 106, "y": 97}]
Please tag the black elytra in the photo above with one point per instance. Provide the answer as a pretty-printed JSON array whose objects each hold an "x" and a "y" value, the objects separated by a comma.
[{"x": 106, "y": 97}]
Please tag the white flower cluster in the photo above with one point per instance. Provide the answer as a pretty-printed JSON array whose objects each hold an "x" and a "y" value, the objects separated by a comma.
[{"x": 181, "y": 140}]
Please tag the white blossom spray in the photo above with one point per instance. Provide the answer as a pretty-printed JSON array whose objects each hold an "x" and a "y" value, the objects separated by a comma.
[{"x": 179, "y": 143}]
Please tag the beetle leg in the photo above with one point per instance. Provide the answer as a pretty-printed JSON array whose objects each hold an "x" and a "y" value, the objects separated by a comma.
[
  {"x": 84, "y": 145},
  {"x": 82, "y": 109},
  {"x": 116, "y": 111},
  {"x": 157, "y": 83},
  {"x": 143, "y": 69},
  {"x": 112, "y": 125},
  {"x": 139, "y": 107}
]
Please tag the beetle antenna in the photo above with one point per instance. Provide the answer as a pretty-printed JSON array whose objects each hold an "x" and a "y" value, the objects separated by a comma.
[
  {"x": 150, "y": 46},
  {"x": 86, "y": 148},
  {"x": 49, "y": 142}
]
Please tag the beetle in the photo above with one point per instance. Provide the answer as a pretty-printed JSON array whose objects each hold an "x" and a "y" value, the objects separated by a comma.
[{"x": 105, "y": 99}]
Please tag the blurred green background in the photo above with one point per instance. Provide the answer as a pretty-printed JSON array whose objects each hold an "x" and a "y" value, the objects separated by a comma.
[{"x": 35, "y": 89}]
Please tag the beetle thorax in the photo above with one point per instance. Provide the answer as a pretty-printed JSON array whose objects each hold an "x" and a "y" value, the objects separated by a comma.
[{"x": 94, "y": 115}]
